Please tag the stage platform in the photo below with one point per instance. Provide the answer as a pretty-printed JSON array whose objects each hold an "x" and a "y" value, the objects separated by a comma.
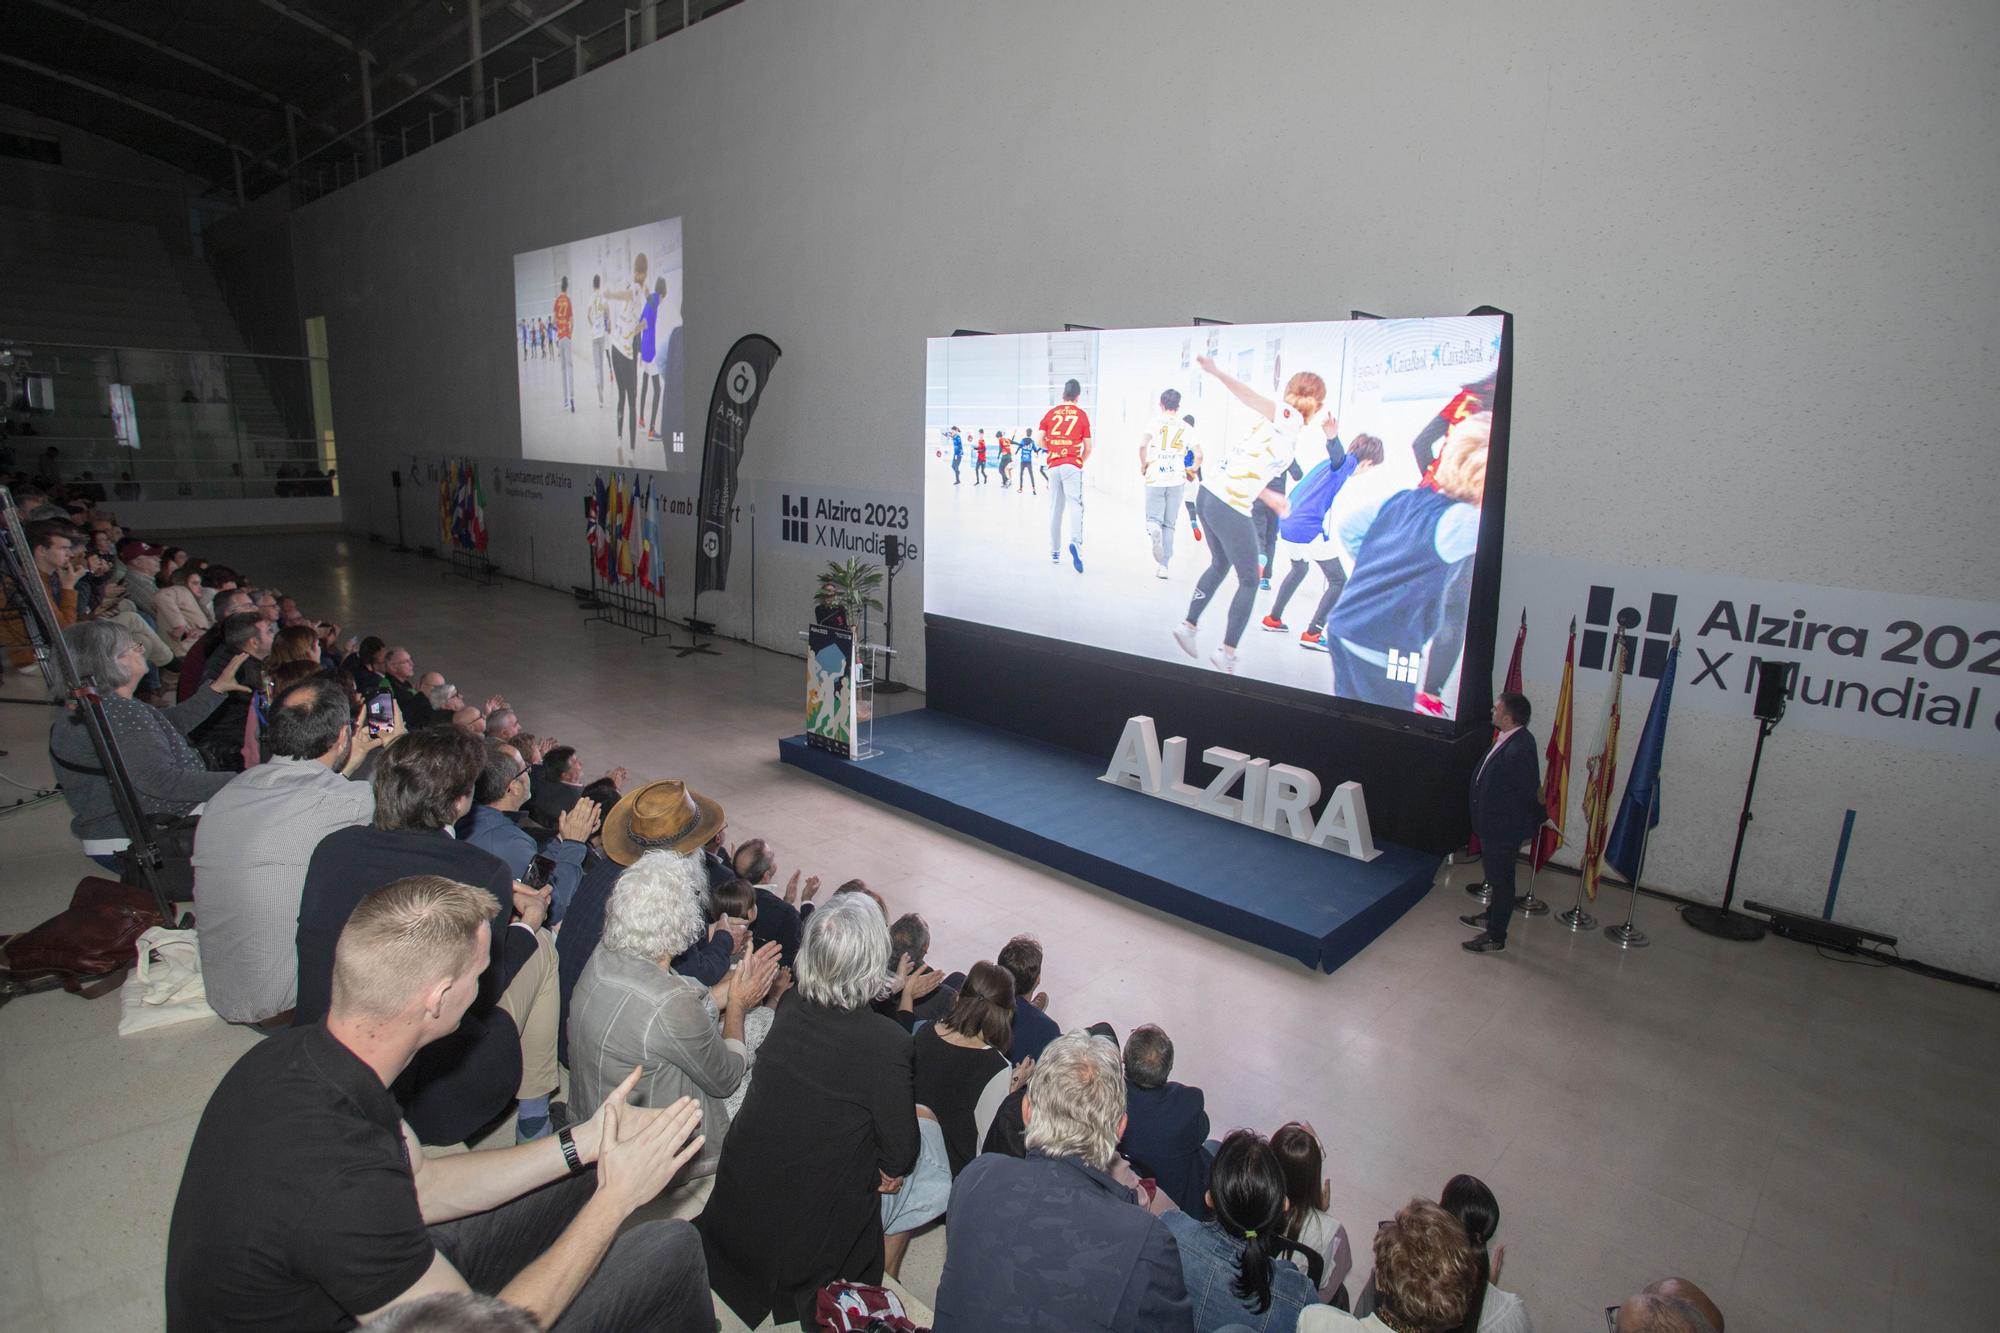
[{"x": 1305, "y": 902}]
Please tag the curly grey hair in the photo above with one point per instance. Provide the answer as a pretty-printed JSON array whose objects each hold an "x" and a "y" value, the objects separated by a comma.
[
  {"x": 844, "y": 959},
  {"x": 1075, "y": 1098},
  {"x": 658, "y": 907},
  {"x": 96, "y": 645}
]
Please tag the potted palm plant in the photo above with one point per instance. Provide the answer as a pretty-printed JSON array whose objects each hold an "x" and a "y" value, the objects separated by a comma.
[{"x": 850, "y": 585}]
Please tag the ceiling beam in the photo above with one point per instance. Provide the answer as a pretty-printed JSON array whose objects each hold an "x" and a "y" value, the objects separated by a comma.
[
  {"x": 342, "y": 40},
  {"x": 135, "y": 104}
]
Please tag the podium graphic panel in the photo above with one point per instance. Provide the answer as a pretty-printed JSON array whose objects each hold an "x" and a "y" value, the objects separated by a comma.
[{"x": 830, "y": 690}]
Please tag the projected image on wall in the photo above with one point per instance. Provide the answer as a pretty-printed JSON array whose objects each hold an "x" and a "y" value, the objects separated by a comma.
[
  {"x": 1297, "y": 504},
  {"x": 598, "y": 349}
]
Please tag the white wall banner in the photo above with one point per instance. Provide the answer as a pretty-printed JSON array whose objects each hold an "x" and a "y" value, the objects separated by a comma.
[
  {"x": 1893, "y": 667},
  {"x": 800, "y": 529}
]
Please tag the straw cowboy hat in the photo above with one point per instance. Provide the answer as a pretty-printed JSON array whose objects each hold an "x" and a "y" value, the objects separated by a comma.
[{"x": 659, "y": 817}]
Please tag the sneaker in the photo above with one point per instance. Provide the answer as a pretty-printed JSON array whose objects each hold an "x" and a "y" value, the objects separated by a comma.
[
  {"x": 1264, "y": 584},
  {"x": 1196, "y": 527},
  {"x": 1314, "y": 640},
  {"x": 1076, "y": 557},
  {"x": 1430, "y": 704},
  {"x": 1184, "y": 635},
  {"x": 1273, "y": 624},
  {"x": 1476, "y": 920},
  {"x": 1223, "y": 660},
  {"x": 1160, "y": 573},
  {"x": 1055, "y": 556},
  {"x": 1483, "y": 943}
]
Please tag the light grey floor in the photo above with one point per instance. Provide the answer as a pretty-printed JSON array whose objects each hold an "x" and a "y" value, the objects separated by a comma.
[{"x": 1811, "y": 1140}]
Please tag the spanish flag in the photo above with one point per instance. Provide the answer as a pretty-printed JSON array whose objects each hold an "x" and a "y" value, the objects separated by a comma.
[
  {"x": 1602, "y": 773},
  {"x": 1555, "y": 767}
]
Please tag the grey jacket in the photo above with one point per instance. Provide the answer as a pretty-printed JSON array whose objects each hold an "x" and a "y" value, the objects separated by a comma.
[
  {"x": 167, "y": 773},
  {"x": 630, "y": 1011}
]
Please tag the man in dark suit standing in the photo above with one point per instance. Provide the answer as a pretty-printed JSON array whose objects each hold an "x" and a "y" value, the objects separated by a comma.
[{"x": 1506, "y": 811}]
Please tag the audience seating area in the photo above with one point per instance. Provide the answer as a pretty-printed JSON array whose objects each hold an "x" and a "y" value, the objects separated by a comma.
[{"x": 613, "y": 894}]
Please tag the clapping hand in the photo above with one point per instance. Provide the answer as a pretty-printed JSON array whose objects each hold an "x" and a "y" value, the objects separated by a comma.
[
  {"x": 580, "y": 821},
  {"x": 531, "y": 904},
  {"x": 753, "y": 977},
  {"x": 1022, "y": 1072},
  {"x": 642, "y": 1148},
  {"x": 616, "y": 777}
]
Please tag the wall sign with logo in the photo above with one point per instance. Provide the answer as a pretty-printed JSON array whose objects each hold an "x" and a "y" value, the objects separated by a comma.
[{"x": 1910, "y": 670}]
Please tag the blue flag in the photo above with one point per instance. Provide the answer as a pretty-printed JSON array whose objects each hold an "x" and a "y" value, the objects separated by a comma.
[{"x": 1640, "y": 810}]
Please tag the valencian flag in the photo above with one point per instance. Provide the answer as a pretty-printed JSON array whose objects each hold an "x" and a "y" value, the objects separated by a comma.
[
  {"x": 1602, "y": 773},
  {"x": 1512, "y": 685},
  {"x": 1555, "y": 769},
  {"x": 627, "y": 522},
  {"x": 444, "y": 503},
  {"x": 739, "y": 387},
  {"x": 1639, "y": 812},
  {"x": 614, "y": 520}
]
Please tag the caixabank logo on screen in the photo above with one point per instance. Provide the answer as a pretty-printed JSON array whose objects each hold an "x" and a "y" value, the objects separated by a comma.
[
  {"x": 1915, "y": 670},
  {"x": 855, "y": 527}
]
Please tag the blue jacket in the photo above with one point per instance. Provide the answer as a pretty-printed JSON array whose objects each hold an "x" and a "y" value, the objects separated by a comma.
[
  {"x": 1040, "y": 1243},
  {"x": 1033, "y": 1030},
  {"x": 1507, "y": 792},
  {"x": 494, "y": 831},
  {"x": 1165, "y": 1129},
  {"x": 1209, "y": 1259}
]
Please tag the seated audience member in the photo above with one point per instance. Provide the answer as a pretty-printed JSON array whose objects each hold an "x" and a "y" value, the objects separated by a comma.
[
  {"x": 1166, "y": 1122},
  {"x": 444, "y": 700},
  {"x": 225, "y": 738},
  {"x": 631, "y": 1010},
  {"x": 1233, "y": 1263},
  {"x": 178, "y": 612},
  {"x": 194, "y": 662},
  {"x": 1308, "y": 1222},
  {"x": 506, "y": 1044},
  {"x": 1425, "y": 1275},
  {"x": 659, "y": 816},
  {"x": 931, "y": 990},
  {"x": 1033, "y": 1029},
  {"x": 1051, "y": 1240},
  {"x": 1671, "y": 1305},
  {"x": 399, "y": 669},
  {"x": 364, "y": 666},
  {"x": 777, "y": 919},
  {"x": 558, "y": 783},
  {"x": 1491, "y": 1310},
  {"x": 255, "y": 836},
  {"x": 142, "y": 575},
  {"x": 306, "y": 1205},
  {"x": 501, "y": 790},
  {"x": 470, "y": 721},
  {"x": 166, "y": 771},
  {"x": 265, "y": 601},
  {"x": 829, "y": 1125},
  {"x": 503, "y": 724},
  {"x": 297, "y": 643}
]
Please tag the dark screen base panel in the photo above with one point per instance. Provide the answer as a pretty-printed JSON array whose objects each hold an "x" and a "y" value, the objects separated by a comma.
[{"x": 1304, "y": 902}]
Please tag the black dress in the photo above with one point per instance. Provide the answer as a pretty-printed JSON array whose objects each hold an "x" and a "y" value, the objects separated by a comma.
[
  {"x": 795, "y": 1203},
  {"x": 949, "y": 1080}
]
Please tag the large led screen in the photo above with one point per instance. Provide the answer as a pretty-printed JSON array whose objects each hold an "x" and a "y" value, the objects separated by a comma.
[
  {"x": 598, "y": 349},
  {"x": 1295, "y": 504}
]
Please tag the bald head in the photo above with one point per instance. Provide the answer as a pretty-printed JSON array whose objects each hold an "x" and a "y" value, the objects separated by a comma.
[
  {"x": 471, "y": 720},
  {"x": 1648, "y": 1313},
  {"x": 1680, "y": 1289}
]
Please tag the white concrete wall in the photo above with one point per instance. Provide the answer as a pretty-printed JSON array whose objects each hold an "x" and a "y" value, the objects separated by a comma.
[{"x": 1750, "y": 249}]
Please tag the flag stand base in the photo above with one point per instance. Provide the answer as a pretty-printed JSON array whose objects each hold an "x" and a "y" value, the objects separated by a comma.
[
  {"x": 1626, "y": 936},
  {"x": 1481, "y": 890},
  {"x": 1576, "y": 919},
  {"x": 696, "y": 644},
  {"x": 1723, "y": 923},
  {"x": 1528, "y": 904}
]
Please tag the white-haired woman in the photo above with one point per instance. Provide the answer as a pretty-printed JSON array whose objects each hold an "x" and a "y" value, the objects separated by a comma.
[
  {"x": 830, "y": 1124},
  {"x": 166, "y": 771},
  {"x": 632, "y": 1010}
]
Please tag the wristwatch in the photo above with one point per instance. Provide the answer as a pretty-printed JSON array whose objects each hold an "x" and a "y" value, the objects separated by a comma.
[{"x": 569, "y": 1152}]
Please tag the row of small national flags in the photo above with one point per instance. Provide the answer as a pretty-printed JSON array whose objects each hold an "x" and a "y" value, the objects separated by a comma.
[
  {"x": 1614, "y": 835},
  {"x": 461, "y": 506},
  {"x": 622, "y": 524}
]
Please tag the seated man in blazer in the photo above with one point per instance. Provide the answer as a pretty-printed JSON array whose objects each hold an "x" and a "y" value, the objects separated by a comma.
[
  {"x": 1166, "y": 1123},
  {"x": 1506, "y": 811}
]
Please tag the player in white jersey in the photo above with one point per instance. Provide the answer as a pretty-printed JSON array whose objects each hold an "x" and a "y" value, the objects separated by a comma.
[
  {"x": 1233, "y": 485},
  {"x": 1168, "y": 457}
]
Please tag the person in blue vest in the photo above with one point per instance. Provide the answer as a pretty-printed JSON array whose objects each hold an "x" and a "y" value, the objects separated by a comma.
[
  {"x": 1302, "y": 534},
  {"x": 1406, "y": 579},
  {"x": 1027, "y": 451}
]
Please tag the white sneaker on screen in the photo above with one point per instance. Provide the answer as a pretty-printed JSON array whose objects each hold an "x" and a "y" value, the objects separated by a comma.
[
  {"x": 1184, "y": 636},
  {"x": 1223, "y": 660}
]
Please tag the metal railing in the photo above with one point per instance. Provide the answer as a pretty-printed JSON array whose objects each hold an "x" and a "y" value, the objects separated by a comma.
[
  {"x": 153, "y": 423},
  {"x": 326, "y": 168}
]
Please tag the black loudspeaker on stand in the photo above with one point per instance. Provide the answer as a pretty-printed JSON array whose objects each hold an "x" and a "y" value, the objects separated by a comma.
[
  {"x": 892, "y": 560},
  {"x": 1774, "y": 681},
  {"x": 396, "y": 485}
]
